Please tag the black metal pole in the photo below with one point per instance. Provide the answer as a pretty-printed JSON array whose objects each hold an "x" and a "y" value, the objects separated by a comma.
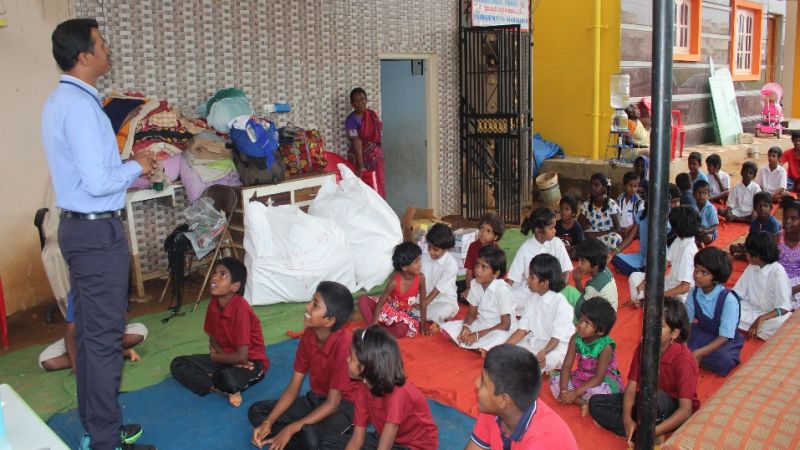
[{"x": 658, "y": 205}]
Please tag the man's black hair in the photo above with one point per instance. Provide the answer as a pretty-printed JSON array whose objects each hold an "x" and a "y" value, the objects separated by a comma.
[
  {"x": 404, "y": 254},
  {"x": 539, "y": 218},
  {"x": 514, "y": 371},
  {"x": 762, "y": 245},
  {"x": 714, "y": 160},
  {"x": 494, "y": 221},
  {"x": 547, "y": 268},
  {"x": 715, "y": 261},
  {"x": 237, "y": 270},
  {"x": 379, "y": 353},
  {"x": 338, "y": 301},
  {"x": 685, "y": 221},
  {"x": 676, "y": 317},
  {"x": 70, "y": 39},
  {"x": 683, "y": 181},
  {"x": 600, "y": 312},
  {"x": 355, "y": 91},
  {"x": 441, "y": 235},
  {"x": 594, "y": 251},
  {"x": 495, "y": 257}
]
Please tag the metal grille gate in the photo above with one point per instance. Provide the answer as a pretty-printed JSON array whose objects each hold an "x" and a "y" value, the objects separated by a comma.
[{"x": 495, "y": 121}]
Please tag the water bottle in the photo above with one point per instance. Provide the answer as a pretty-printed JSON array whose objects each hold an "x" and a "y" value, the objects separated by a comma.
[{"x": 620, "y": 90}]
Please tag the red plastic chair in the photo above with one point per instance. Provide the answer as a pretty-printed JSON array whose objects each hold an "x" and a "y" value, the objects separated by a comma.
[{"x": 678, "y": 132}]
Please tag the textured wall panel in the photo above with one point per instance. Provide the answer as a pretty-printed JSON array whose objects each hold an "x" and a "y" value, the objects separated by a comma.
[{"x": 307, "y": 52}]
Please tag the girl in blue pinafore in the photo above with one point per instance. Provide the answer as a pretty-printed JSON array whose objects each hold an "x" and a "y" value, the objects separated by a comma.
[
  {"x": 714, "y": 313},
  {"x": 595, "y": 352}
]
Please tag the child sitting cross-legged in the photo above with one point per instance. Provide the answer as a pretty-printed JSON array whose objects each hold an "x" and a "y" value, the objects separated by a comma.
[
  {"x": 393, "y": 309},
  {"x": 740, "y": 200},
  {"x": 595, "y": 353},
  {"x": 300, "y": 422},
  {"x": 676, "y": 398},
  {"x": 490, "y": 230},
  {"x": 567, "y": 227},
  {"x": 764, "y": 221},
  {"x": 546, "y": 325},
  {"x": 719, "y": 182},
  {"x": 384, "y": 398},
  {"x": 708, "y": 214},
  {"x": 440, "y": 269},
  {"x": 599, "y": 215},
  {"x": 511, "y": 415},
  {"x": 491, "y": 305},
  {"x": 713, "y": 311},
  {"x": 592, "y": 258},
  {"x": 685, "y": 222},
  {"x": 772, "y": 178},
  {"x": 630, "y": 204},
  {"x": 236, "y": 356},
  {"x": 542, "y": 222},
  {"x": 764, "y": 288}
]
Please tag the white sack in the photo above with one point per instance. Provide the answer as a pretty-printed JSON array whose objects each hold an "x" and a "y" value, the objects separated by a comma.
[
  {"x": 289, "y": 252},
  {"x": 373, "y": 229}
]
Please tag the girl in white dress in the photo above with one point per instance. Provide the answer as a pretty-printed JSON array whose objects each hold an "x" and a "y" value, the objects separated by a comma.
[{"x": 491, "y": 305}]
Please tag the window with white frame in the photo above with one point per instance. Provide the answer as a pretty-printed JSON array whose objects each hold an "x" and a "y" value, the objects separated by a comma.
[
  {"x": 743, "y": 57},
  {"x": 682, "y": 30}
]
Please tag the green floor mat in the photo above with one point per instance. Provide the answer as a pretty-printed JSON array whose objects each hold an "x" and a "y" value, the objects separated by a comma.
[{"x": 52, "y": 392}]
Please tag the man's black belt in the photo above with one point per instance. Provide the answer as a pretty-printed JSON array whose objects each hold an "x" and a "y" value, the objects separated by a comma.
[{"x": 90, "y": 216}]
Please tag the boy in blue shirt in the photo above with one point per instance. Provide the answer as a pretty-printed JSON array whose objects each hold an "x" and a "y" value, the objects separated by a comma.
[
  {"x": 708, "y": 214},
  {"x": 764, "y": 221}
]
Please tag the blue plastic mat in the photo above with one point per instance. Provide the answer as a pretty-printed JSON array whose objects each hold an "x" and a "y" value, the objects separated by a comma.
[{"x": 175, "y": 418}]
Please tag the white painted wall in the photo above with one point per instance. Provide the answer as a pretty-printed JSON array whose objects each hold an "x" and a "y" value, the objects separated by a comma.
[{"x": 27, "y": 75}]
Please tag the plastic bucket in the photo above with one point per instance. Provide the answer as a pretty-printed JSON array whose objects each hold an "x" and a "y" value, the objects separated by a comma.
[{"x": 548, "y": 188}]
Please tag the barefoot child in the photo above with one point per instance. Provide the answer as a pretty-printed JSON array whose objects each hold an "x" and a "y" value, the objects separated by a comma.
[
  {"x": 740, "y": 202},
  {"x": 599, "y": 215},
  {"x": 395, "y": 408},
  {"x": 772, "y": 178},
  {"x": 762, "y": 206},
  {"x": 490, "y": 230},
  {"x": 567, "y": 228},
  {"x": 236, "y": 358},
  {"x": 546, "y": 325},
  {"x": 764, "y": 288},
  {"x": 713, "y": 311},
  {"x": 300, "y": 422},
  {"x": 719, "y": 182},
  {"x": 542, "y": 222},
  {"x": 491, "y": 305},
  {"x": 594, "y": 350},
  {"x": 511, "y": 416},
  {"x": 676, "y": 399},
  {"x": 440, "y": 269},
  {"x": 393, "y": 309}
]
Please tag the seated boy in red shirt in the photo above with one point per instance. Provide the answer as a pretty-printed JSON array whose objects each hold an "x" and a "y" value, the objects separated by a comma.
[
  {"x": 237, "y": 357},
  {"x": 792, "y": 157},
  {"x": 511, "y": 416},
  {"x": 300, "y": 422}
]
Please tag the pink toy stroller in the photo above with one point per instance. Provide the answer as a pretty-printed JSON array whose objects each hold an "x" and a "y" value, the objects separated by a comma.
[{"x": 771, "y": 111}]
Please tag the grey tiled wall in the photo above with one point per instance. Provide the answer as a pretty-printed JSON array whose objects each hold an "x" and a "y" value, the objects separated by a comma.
[{"x": 307, "y": 52}]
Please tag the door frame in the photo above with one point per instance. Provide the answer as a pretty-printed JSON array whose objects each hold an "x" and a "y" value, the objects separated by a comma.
[
  {"x": 431, "y": 119},
  {"x": 772, "y": 57}
]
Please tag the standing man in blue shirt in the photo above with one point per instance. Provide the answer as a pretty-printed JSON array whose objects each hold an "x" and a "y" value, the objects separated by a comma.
[{"x": 90, "y": 181}]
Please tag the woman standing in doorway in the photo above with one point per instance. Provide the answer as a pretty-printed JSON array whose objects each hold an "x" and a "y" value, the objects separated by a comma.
[{"x": 363, "y": 127}]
